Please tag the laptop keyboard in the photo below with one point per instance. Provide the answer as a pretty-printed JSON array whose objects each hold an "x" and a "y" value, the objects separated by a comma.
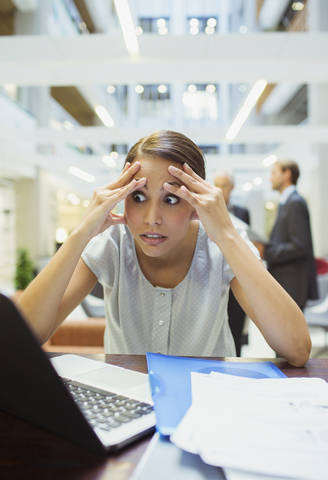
[{"x": 104, "y": 409}]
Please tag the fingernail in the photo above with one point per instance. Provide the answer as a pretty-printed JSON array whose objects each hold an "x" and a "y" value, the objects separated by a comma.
[
  {"x": 167, "y": 185},
  {"x": 188, "y": 166},
  {"x": 172, "y": 169}
]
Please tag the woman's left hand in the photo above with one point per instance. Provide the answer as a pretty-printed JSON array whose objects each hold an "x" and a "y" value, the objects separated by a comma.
[{"x": 207, "y": 200}]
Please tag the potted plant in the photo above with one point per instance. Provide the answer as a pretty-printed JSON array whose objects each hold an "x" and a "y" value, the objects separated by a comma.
[{"x": 24, "y": 269}]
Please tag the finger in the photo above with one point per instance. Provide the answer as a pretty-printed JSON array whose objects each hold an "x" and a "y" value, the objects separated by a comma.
[
  {"x": 193, "y": 183},
  {"x": 126, "y": 167},
  {"x": 117, "y": 219},
  {"x": 181, "y": 192},
  {"x": 187, "y": 168},
  {"x": 126, "y": 175},
  {"x": 124, "y": 191}
]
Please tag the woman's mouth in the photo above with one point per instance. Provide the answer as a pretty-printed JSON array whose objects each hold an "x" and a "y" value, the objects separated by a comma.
[{"x": 153, "y": 238}]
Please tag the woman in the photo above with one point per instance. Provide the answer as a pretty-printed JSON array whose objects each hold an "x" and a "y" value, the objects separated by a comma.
[{"x": 166, "y": 264}]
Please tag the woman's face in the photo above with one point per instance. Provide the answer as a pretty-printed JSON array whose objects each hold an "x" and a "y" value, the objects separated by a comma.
[{"x": 157, "y": 219}]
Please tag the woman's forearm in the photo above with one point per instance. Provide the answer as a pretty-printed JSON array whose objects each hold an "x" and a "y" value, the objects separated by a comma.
[
  {"x": 278, "y": 317},
  {"x": 41, "y": 300}
]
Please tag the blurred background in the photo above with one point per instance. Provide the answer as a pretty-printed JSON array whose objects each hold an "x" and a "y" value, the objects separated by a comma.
[{"x": 82, "y": 80}]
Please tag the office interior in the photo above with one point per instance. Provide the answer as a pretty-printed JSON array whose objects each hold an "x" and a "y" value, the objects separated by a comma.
[{"x": 76, "y": 94}]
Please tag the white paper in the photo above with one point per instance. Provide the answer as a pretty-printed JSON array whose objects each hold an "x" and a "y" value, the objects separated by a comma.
[{"x": 269, "y": 426}]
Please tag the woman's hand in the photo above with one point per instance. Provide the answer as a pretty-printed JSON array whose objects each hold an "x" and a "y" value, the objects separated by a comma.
[
  {"x": 99, "y": 216},
  {"x": 207, "y": 200}
]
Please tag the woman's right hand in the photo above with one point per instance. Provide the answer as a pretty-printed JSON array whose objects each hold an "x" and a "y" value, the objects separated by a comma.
[{"x": 99, "y": 216}]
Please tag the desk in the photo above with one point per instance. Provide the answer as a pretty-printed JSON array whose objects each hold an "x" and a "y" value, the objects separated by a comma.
[{"x": 29, "y": 452}]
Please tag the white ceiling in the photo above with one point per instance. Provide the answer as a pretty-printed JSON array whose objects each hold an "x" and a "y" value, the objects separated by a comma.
[
  {"x": 258, "y": 134},
  {"x": 102, "y": 59}
]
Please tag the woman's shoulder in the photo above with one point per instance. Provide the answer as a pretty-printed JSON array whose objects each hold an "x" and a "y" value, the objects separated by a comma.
[{"x": 113, "y": 237}]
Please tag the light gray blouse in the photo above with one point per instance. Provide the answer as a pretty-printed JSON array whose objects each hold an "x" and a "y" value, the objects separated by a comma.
[{"x": 188, "y": 320}]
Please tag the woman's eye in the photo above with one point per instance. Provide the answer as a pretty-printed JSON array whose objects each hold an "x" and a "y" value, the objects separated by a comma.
[
  {"x": 171, "y": 200},
  {"x": 138, "y": 197}
]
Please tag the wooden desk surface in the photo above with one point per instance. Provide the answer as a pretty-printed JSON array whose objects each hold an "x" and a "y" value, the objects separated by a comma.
[{"x": 31, "y": 453}]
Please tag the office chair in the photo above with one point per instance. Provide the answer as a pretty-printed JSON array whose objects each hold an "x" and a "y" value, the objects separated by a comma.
[
  {"x": 322, "y": 281},
  {"x": 93, "y": 304}
]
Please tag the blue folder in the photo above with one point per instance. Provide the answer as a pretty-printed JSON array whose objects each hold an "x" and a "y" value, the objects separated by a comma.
[{"x": 170, "y": 382}]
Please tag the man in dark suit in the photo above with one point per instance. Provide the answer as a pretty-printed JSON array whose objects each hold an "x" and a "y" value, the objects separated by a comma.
[
  {"x": 289, "y": 254},
  {"x": 225, "y": 181}
]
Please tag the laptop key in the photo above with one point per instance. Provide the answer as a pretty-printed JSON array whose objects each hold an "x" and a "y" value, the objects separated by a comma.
[
  {"x": 131, "y": 414},
  {"x": 108, "y": 414},
  {"x": 122, "y": 419},
  {"x": 120, "y": 397}
]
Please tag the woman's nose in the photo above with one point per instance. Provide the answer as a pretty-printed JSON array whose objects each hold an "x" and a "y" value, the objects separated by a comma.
[{"x": 153, "y": 216}]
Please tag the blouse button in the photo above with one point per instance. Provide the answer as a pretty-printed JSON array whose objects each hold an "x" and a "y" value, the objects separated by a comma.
[
  {"x": 162, "y": 294},
  {"x": 161, "y": 323}
]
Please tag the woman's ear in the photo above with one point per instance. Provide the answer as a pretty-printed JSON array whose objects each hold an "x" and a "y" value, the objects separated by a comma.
[{"x": 194, "y": 216}]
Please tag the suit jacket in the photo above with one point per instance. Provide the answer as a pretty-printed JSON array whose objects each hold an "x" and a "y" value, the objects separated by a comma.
[
  {"x": 235, "y": 313},
  {"x": 241, "y": 213},
  {"x": 290, "y": 253}
]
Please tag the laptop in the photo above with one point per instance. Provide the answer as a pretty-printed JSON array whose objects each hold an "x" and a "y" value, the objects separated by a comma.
[{"x": 99, "y": 406}]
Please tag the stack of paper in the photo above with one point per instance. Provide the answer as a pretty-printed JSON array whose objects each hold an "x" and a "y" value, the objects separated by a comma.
[{"x": 265, "y": 426}]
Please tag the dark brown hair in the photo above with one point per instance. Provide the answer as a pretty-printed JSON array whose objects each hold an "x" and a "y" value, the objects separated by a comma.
[
  {"x": 170, "y": 146},
  {"x": 292, "y": 166}
]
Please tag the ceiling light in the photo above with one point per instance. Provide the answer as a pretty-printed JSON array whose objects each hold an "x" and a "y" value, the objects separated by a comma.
[
  {"x": 162, "y": 88},
  {"x": 109, "y": 161},
  {"x": 114, "y": 154},
  {"x": 247, "y": 187},
  {"x": 211, "y": 22},
  {"x": 245, "y": 110},
  {"x": 258, "y": 181},
  {"x": 68, "y": 125},
  {"x": 298, "y": 6},
  {"x": 139, "y": 31},
  {"x": 73, "y": 199},
  {"x": 139, "y": 89},
  {"x": 61, "y": 235},
  {"x": 233, "y": 131},
  {"x": 110, "y": 89},
  {"x": 210, "y": 88},
  {"x": 71, "y": 196},
  {"x": 161, "y": 22},
  {"x": 55, "y": 124},
  {"x": 192, "y": 88},
  {"x": 269, "y": 160},
  {"x": 255, "y": 93},
  {"x": 270, "y": 206},
  {"x": 194, "y": 30},
  {"x": 209, "y": 30},
  {"x": 194, "y": 22},
  {"x": 125, "y": 18},
  {"x": 242, "y": 29},
  {"x": 163, "y": 30},
  {"x": 81, "y": 174},
  {"x": 104, "y": 116}
]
